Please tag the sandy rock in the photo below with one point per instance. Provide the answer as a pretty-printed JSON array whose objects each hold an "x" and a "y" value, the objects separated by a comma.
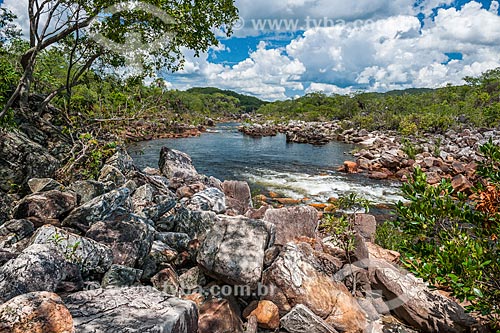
[{"x": 266, "y": 312}]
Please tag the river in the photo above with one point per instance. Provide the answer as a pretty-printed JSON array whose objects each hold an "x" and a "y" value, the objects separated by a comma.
[{"x": 270, "y": 163}]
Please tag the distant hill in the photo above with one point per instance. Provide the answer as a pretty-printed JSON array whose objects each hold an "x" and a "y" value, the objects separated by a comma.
[{"x": 248, "y": 103}]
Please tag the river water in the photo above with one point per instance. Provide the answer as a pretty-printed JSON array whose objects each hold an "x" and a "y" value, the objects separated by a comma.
[{"x": 270, "y": 163}]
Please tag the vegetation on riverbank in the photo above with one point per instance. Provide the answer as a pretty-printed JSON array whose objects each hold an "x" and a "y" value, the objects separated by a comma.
[
  {"x": 477, "y": 103},
  {"x": 451, "y": 239}
]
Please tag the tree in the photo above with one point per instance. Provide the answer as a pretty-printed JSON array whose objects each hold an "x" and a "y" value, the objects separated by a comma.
[{"x": 72, "y": 24}]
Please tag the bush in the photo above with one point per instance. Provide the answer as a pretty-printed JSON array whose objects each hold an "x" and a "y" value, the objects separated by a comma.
[{"x": 450, "y": 239}]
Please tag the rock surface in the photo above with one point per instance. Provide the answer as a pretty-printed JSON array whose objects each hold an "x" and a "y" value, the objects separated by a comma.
[
  {"x": 45, "y": 206},
  {"x": 414, "y": 303},
  {"x": 98, "y": 209},
  {"x": 37, "y": 312},
  {"x": 301, "y": 320},
  {"x": 234, "y": 250},
  {"x": 90, "y": 256},
  {"x": 38, "y": 268},
  {"x": 219, "y": 316},
  {"x": 134, "y": 310},
  {"x": 238, "y": 197},
  {"x": 298, "y": 277},
  {"x": 293, "y": 222},
  {"x": 128, "y": 236}
]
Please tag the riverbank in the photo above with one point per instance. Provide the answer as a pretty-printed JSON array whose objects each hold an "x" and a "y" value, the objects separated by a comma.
[
  {"x": 390, "y": 155},
  {"x": 173, "y": 250}
]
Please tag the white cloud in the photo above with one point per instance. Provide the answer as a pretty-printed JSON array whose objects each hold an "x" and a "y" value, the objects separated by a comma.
[{"x": 267, "y": 73}]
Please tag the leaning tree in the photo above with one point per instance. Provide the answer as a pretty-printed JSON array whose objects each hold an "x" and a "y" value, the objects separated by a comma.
[{"x": 148, "y": 33}]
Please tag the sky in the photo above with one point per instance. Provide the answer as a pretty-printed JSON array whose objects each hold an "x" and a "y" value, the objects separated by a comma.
[{"x": 287, "y": 48}]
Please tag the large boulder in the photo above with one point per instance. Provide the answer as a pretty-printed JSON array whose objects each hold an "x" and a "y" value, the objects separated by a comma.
[
  {"x": 14, "y": 231},
  {"x": 89, "y": 255},
  {"x": 98, "y": 209},
  {"x": 194, "y": 223},
  {"x": 128, "y": 236},
  {"x": 51, "y": 205},
  {"x": 23, "y": 159},
  {"x": 44, "y": 185},
  {"x": 37, "y": 312},
  {"x": 176, "y": 164},
  {"x": 412, "y": 301},
  {"x": 87, "y": 190},
  {"x": 301, "y": 275},
  {"x": 211, "y": 199},
  {"x": 234, "y": 248},
  {"x": 134, "y": 310},
  {"x": 38, "y": 268},
  {"x": 122, "y": 161},
  {"x": 112, "y": 174},
  {"x": 238, "y": 197},
  {"x": 293, "y": 222}
]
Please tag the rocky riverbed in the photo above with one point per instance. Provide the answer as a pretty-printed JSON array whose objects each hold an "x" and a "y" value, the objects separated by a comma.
[
  {"x": 171, "y": 250},
  {"x": 390, "y": 155}
]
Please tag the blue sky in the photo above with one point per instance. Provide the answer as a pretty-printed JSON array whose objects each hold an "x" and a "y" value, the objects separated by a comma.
[{"x": 340, "y": 46}]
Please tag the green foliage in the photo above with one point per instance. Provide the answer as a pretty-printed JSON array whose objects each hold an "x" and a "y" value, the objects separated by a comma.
[
  {"x": 341, "y": 226},
  {"x": 247, "y": 103},
  {"x": 451, "y": 239},
  {"x": 409, "y": 148}
]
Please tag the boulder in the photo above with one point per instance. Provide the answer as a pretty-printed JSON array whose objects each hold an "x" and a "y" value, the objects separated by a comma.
[
  {"x": 14, "y": 231},
  {"x": 43, "y": 185},
  {"x": 134, "y": 310},
  {"x": 175, "y": 240},
  {"x": 90, "y": 256},
  {"x": 122, "y": 161},
  {"x": 5, "y": 207},
  {"x": 299, "y": 277},
  {"x": 301, "y": 320},
  {"x": 112, "y": 174},
  {"x": 219, "y": 316},
  {"x": 176, "y": 164},
  {"x": 23, "y": 159},
  {"x": 211, "y": 199},
  {"x": 238, "y": 197},
  {"x": 350, "y": 167},
  {"x": 121, "y": 276},
  {"x": 461, "y": 184},
  {"x": 189, "y": 190},
  {"x": 192, "y": 280},
  {"x": 45, "y": 206},
  {"x": 233, "y": 250},
  {"x": 412, "y": 301},
  {"x": 37, "y": 312},
  {"x": 375, "y": 251},
  {"x": 293, "y": 222},
  {"x": 167, "y": 281},
  {"x": 366, "y": 226},
  {"x": 159, "y": 256},
  {"x": 128, "y": 236},
  {"x": 87, "y": 190},
  {"x": 37, "y": 268},
  {"x": 98, "y": 209},
  {"x": 266, "y": 312},
  {"x": 194, "y": 223}
]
